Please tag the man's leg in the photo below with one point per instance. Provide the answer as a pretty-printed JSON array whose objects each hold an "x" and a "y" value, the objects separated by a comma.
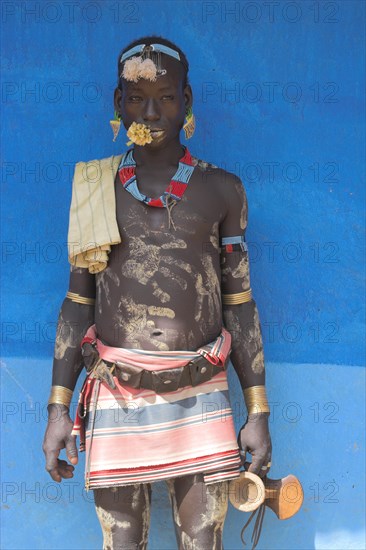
[
  {"x": 199, "y": 512},
  {"x": 124, "y": 515}
]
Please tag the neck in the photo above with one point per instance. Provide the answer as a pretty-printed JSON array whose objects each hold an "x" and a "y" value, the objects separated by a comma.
[{"x": 159, "y": 158}]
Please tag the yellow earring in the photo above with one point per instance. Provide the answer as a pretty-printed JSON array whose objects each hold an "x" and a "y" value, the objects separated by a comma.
[
  {"x": 189, "y": 126},
  {"x": 115, "y": 124}
]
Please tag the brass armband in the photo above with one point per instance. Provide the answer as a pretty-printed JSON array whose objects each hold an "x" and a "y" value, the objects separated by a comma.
[
  {"x": 237, "y": 298},
  {"x": 60, "y": 395},
  {"x": 255, "y": 399},
  {"x": 80, "y": 299}
]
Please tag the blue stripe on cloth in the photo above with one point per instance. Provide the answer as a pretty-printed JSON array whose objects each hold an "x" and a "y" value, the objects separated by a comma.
[
  {"x": 127, "y": 431},
  {"x": 199, "y": 405}
]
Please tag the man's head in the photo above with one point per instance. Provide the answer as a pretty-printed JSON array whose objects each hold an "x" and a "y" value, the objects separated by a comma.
[
  {"x": 159, "y": 104},
  {"x": 148, "y": 40}
]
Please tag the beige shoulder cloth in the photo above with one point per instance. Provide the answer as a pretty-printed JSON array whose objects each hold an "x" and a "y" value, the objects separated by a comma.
[{"x": 93, "y": 225}]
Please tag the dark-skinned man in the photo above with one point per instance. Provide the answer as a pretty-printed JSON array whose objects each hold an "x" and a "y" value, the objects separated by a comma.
[{"x": 159, "y": 295}]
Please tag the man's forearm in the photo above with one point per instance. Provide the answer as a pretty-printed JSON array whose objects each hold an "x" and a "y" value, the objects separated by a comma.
[
  {"x": 73, "y": 322},
  {"x": 242, "y": 321}
]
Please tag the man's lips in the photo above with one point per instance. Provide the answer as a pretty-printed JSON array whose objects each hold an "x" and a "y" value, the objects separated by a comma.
[{"x": 156, "y": 132}]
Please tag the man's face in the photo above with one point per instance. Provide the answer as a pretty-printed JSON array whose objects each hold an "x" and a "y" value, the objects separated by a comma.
[{"x": 160, "y": 105}]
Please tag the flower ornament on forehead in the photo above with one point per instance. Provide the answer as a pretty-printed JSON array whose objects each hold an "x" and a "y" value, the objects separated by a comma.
[
  {"x": 147, "y": 64},
  {"x": 135, "y": 68}
]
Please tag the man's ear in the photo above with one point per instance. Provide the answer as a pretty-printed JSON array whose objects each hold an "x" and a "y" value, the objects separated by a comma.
[
  {"x": 117, "y": 100},
  {"x": 188, "y": 96}
]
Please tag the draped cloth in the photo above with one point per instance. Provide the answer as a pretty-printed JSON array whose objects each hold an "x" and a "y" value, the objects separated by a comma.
[
  {"x": 93, "y": 225},
  {"x": 137, "y": 436}
]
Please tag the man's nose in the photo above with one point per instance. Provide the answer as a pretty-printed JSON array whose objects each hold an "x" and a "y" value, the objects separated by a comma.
[{"x": 151, "y": 111}]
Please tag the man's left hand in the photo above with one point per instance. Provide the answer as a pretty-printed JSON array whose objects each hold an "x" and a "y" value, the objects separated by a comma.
[{"x": 254, "y": 438}]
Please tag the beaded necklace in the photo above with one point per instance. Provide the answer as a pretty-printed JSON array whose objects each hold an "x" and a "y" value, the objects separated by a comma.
[{"x": 175, "y": 189}]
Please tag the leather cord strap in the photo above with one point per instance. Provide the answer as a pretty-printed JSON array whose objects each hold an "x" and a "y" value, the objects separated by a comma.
[{"x": 257, "y": 526}]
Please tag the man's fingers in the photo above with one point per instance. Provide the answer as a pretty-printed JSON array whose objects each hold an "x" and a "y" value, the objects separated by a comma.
[
  {"x": 65, "y": 469},
  {"x": 243, "y": 449},
  {"x": 62, "y": 470},
  {"x": 55, "y": 475},
  {"x": 243, "y": 455},
  {"x": 256, "y": 465},
  {"x": 71, "y": 450},
  {"x": 51, "y": 459},
  {"x": 265, "y": 467}
]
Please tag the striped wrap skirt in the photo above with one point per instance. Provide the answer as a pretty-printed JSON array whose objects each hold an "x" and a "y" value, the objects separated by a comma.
[{"x": 137, "y": 435}]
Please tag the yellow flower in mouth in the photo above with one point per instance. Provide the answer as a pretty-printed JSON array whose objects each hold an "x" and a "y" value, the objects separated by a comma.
[{"x": 139, "y": 134}]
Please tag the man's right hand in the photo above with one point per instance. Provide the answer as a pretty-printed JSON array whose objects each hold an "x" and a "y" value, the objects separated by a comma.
[{"x": 58, "y": 436}]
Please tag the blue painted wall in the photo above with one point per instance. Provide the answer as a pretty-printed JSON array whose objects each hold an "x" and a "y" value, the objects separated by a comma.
[{"x": 278, "y": 91}]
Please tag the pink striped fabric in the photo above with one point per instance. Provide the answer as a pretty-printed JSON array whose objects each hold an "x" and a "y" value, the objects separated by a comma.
[
  {"x": 137, "y": 435},
  {"x": 216, "y": 353}
]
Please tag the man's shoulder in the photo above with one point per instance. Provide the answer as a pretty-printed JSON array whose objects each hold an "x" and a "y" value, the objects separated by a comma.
[
  {"x": 216, "y": 173},
  {"x": 204, "y": 165}
]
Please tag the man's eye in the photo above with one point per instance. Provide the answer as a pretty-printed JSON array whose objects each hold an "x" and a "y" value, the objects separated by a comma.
[
  {"x": 134, "y": 98},
  {"x": 168, "y": 97}
]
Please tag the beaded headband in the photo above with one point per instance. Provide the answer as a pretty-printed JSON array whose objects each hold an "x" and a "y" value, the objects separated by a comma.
[
  {"x": 153, "y": 47},
  {"x": 143, "y": 66}
]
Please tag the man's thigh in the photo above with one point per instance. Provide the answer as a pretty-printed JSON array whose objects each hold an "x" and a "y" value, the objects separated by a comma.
[
  {"x": 124, "y": 515},
  {"x": 199, "y": 512}
]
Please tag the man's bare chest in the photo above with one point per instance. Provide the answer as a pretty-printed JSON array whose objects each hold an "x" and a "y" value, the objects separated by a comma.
[{"x": 194, "y": 220}]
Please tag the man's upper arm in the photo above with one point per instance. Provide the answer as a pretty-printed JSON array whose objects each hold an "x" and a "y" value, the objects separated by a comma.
[
  {"x": 82, "y": 282},
  {"x": 235, "y": 280}
]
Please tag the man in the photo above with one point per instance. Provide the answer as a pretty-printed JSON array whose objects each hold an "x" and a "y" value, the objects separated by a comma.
[{"x": 148, "y": 305}]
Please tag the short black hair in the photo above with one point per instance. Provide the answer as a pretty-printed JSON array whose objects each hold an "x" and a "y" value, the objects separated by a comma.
[{"x": 152, "y": 39}]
